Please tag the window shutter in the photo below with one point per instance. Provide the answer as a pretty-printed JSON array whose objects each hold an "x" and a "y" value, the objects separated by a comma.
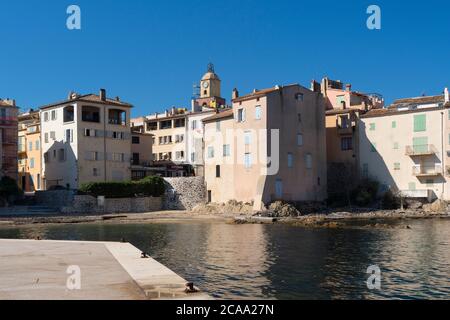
[
  {"x": 420, "y": 123},
  {"x": 243, "y": 115}
]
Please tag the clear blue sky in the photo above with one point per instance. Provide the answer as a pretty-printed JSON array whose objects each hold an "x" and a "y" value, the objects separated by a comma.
[{"x": 150, "y": 52}]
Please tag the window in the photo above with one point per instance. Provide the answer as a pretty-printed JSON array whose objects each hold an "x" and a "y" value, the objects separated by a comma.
[
  {"x": 340, "y": 101},
  {"x": 135, "y": 140},
  {"x": 299, "y": 117},
  {"x": 52, "y": 135},
  {"x": 258, "y": 112},
  {"x": 69, "y": 135},
  {"x": 299, "y": 139},
  {"x": 397, "y": 166},
  {"x": 420, "y": 123},
  {"x": 118, "y": 157},
  {"x": 165, "y": 124},
  {"x": 394, "y": 124},
  {"x": 299, "y": 96},
  {"x": 30, "y": 146},
  {"x": 218, "y": 126},
  {"x": 179, "y": 123},
  {"x": 279, "y": 188},
  {"x": 308, "y": 161},
  {"x": 46, "y": 116},
  {"x": 247, "y": 138},
  {"x": 90, "y": 114},
  {"x": 346, "y": 144},
  {"x": 53, "y": 115},
  {"x": 118, "y": 135},
  {"x": 61, "y": 155},
  {"x": 217, "y": 171},
  {"x": 290, "y": 159},
  {"x": 396, "y": 146},
  {"x": 373, "y": 147},
  {"x": 226, "y": 150},
  {"x": 192, "y": 156},
  {"x": 152, "y": 126},
  {"x": 194, "y": 124},
  {"x": 38, "y": 144},
  {"x": 241, "y": 115},
  {"x": 247, "y": 160},
  {"x": 32, "y": 163},
  {"x": 95, "y": 172},
  {"x": 210, "y": 152},
  {"x": 179, "y": 155},
  {"x": 365, "y": 170},
  {"x": 372, "y": 127},
  {"x": 68, "y": 114},
  {"x": 179, "y": 138},
  {"x": 46, "y": 157},
  {"x": 116, "y": 116},
  {"x": 135, "y": 159}
]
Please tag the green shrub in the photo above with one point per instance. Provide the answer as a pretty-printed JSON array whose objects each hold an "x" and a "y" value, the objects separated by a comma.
[
  {"x": 150, "y": 186},
  {"x": 365, "y": 193},
  {"x": 8, "y": 187},
  {"x": 390, "y": 201}
]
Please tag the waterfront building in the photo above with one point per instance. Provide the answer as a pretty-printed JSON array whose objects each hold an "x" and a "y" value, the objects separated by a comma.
[
  {"x": 85, "y": 138},
  {"x": 406, "y": 147},
  {"x": 141, "y": 153},
  {"x": 178, "y": 132},
  {"x": 269, "y": 146},
  {"x": 8, "y": 138},
  {"x": 29, "y": 151},
  {"x": 343, "y": 108}
]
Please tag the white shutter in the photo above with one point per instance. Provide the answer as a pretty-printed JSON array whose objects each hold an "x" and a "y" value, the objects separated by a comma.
[{"x": 243, "y": 115}]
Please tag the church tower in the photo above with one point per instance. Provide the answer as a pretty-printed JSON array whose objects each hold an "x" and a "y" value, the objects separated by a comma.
[
  {"x": 209, "y": 91},
  {"x": 210, "y": 84}
]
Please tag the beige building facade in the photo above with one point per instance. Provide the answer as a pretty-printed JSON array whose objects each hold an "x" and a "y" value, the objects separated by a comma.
[
  {"x": 8, "y": 138},
  {"x": 86, "y": 138},
  {"x": 406, "y": 147},
  {"x": 29, "y": 152},
  {"x": 270, "y": 146}
]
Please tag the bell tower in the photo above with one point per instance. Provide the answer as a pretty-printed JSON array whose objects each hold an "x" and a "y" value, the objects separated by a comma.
[{"x": 210, "y": 83}]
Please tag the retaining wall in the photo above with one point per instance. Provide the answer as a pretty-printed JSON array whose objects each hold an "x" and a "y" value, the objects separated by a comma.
[{"x": 184, "y": 193}]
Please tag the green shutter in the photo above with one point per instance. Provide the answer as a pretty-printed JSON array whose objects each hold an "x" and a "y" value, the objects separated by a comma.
[
  {"x": 372, "y": 127},
  {"x": 420, "y": 145},
  {"x": 420, "y": 123},
  {"x": 396, "y": 146},
  {"x": 412, "y": 186},
  {"x": 394, "y": 124}
]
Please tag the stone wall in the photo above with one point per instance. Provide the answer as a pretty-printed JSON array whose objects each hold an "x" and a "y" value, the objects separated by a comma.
[
  {"x": 54, "y": 198},
  {"x": 88, "y": 204},
  {"x": 184, "y": 193}
]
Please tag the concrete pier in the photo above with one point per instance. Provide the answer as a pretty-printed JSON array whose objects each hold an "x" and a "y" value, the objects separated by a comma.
[{"x": 81, "y": 270}]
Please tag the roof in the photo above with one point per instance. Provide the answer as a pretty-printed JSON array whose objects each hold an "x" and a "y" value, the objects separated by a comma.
[
  {"x": 90, "y": 98},
  {"x": 210, "y": 76},
  {"x": 219, "y": 116},
  {"x": 6, "y": 104},
  {"x": 341, "y": 111},
  {"x": 262, "y": 92},
  {"x": 419, "y": 100},
  {"x": 394, "y": 111}
]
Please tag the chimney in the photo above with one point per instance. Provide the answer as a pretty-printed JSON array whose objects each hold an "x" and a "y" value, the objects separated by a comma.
[
  {"x": 348, "y": 87},
  {"x": 235, "y": 94},
  {"x": 174, "y": 111},
  {"x": 118, "y": 99},
  {"x": 103, "y": 94},
  {"x": 447, "y": 96},
  {"x": 166, "y": 113}
]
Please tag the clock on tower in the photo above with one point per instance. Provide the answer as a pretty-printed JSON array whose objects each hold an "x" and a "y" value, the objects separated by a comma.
[{"x": 210, "y": 84}]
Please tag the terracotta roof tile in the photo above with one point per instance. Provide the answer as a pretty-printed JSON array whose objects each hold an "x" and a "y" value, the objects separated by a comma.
[
  {"x": 221, "y": 115},
  {"x": 90, "y": 98}
]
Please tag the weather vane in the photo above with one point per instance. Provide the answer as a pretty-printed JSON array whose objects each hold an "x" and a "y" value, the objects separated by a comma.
[{"x": 210, "y": 67}]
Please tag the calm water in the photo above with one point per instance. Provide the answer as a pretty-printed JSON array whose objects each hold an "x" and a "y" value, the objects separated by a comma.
[{"x": 282, "y": 262}]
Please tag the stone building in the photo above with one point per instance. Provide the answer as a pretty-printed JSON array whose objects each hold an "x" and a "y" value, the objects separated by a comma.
[
  {"x": 8, "y": 138},
  {"x": 269, "y": 146},
  {"x": 85, "y": 138}
]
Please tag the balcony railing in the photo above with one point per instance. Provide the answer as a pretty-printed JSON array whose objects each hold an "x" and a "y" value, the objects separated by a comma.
[
  {"x": 345, "y": 129},
  {"x": 421, "y": 150},
  {"x": 427, "y": 171},
  {"x": 415, "y": 193}
]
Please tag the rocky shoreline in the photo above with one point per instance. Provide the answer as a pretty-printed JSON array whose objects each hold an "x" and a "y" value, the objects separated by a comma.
[{"x": 331, "y": 219}]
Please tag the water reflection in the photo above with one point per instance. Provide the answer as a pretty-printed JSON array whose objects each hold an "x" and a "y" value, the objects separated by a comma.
[{"x": 275, "y": 261}]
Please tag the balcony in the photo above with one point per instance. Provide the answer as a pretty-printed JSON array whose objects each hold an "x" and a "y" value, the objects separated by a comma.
[
  {"x": 416, "y": 193},
  {"x": 427, "y": 171},
  {"x": 421, "y": 150}
]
